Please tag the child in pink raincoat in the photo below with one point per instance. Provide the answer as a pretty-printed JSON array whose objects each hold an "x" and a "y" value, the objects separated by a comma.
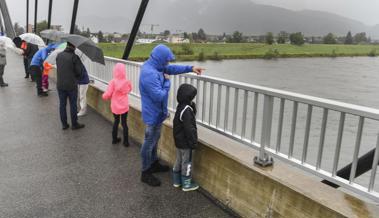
[{"x": 118, "y": 89}]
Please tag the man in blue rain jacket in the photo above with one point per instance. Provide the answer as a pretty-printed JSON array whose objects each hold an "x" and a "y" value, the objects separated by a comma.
[
  {"x": 36, "y": 66},
  {"x": 154, "y": 85}
]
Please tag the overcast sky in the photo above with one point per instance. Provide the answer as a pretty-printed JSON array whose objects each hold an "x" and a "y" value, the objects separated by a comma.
[{"x": 366, "y": 11}]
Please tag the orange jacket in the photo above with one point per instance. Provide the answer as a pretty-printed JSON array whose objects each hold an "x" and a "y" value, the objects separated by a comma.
[{"x": 46, "y": 68}]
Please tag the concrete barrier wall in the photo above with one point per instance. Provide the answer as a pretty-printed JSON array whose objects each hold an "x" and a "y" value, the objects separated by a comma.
[{"x": 225, "y": 169}]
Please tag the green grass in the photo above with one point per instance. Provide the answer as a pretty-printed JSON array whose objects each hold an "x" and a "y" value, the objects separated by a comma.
[{"x": 245, "y": 51}]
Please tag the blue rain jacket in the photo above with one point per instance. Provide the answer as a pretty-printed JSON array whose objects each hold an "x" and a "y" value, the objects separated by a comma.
[
  {"x": 41, "y": 55},
  {"x": 84, "y": 79},
  {"x": 154, "y": 88}
]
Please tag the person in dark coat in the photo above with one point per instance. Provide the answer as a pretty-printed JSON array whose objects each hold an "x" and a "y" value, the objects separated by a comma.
[
  {"x": 29, "y": 50},
  {"x": 185, "y": 136},
  {"x": 69, "y": 71}
]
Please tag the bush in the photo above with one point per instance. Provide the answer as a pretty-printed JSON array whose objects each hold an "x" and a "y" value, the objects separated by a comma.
[
  {"x": 201, "y": 56},
  {"x": 372, "y": 53},
  {"x": 187, "y": 49},
  {"x": 272, "y": 53},
  {"x": 215, "y": 56}
]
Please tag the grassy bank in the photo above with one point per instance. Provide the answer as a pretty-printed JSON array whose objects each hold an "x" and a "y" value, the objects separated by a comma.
[{"x": 243, "y": 51}]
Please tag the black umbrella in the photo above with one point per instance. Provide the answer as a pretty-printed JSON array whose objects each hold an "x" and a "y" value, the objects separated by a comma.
[{"x": 87, "y": 46}]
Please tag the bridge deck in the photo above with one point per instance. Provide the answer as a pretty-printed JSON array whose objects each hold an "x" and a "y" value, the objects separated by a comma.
[{"x": 47, "y": 172}]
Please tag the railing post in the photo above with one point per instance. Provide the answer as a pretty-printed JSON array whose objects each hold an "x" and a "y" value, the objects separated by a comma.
[{"x": 264, "y": 159}]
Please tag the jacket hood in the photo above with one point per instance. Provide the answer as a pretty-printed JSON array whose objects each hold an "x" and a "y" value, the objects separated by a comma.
[
  {"x": 160, "y": 56},
  {"x": 51, "y": 47},
  {"x": 186, "y": 94},
  {"x": 119, "y": 77}
]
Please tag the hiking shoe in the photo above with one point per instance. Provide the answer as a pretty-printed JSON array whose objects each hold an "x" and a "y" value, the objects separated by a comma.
[
  {"x": 188, "y": 184},
  {"x": 77, "y": 126},
  {"x": 116, "y": 141},
  {"x": 156, "y": 167},
  {"x": 177, "y": 180},
  {"x": 43, "y": 94},
  {"x": 126, "y": 143},
  {"x": 150, "y": 179}
]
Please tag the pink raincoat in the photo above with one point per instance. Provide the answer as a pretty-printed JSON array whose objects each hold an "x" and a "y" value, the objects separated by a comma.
[{"x": 118, "y": 89}]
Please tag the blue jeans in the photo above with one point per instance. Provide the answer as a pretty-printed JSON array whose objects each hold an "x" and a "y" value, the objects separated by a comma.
[
  {"x": 149, "y": 146},
  {"x": 73, "y": 97}
]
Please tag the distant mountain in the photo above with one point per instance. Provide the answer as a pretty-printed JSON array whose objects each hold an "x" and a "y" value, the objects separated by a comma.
[{"x": 218, "y": 16}]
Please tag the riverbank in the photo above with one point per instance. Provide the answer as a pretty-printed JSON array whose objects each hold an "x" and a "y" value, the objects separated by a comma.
[{"x": 198, "y": 51}]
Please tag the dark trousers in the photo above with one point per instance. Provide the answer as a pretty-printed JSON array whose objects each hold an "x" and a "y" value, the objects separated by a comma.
[
  {"x": 1, "y": 74},
  {"x": 36, "y": 72},
  {"x": 124, "y": 118},
  {"x": 26, "y": 66},
  {"x": 72, "y": 96}
]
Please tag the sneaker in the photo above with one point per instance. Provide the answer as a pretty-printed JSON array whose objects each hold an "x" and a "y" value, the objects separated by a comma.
[
  {"x": 150, "y": 179},
  {"x": 188, "y": 184},
  {"x": 4, "y": 85},
  {"x": 177, "y": 180},
  {"x": 156, "y": 167},
  {"x": 65, "y": 127},
  {"x": 116, "y": 141},
  {"x": 77, "y": 126},
  {"x": 43, "y": 94}
]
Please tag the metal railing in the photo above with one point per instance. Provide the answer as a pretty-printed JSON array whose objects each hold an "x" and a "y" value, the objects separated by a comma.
[{"x": 319, "y": 133}]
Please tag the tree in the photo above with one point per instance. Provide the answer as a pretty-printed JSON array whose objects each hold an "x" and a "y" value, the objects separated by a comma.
[
  {"x": 41, "y": 26},
  {"x": 360, "y": 38},
  {"x": 18, "y": 29},
  {"x": 110, "y": 38},
  {"x": 185, "y": 35},
  {"x": 166, "y": 33},
  {"x": 77, "y": 30},
  {"x": 349, "y": 39},
  {"x": 282, "y": 37},
  {"x": 330, "y": 39},
  {"x": 297, "y": 38},
  {"x": 269, "y": 38},
  {"x": 100, "y": 36},
  {"x": 201, "y": 35},
  {"x": 236, "y": 37}
]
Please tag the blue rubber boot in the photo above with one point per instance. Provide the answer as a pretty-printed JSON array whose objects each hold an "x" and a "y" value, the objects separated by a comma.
[
  {"x": 176, "y": 176},
  {"x": 188, "y": 184}
]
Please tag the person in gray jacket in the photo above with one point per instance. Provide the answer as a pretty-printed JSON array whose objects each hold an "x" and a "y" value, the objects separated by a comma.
[{"x": 3, "y": 62}]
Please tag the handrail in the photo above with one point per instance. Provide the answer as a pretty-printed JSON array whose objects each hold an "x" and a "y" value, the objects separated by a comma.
[{"x": 235, "y": 109}]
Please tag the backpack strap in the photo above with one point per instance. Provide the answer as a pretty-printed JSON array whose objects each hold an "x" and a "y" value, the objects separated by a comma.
[{"x": 182, "y": 112}]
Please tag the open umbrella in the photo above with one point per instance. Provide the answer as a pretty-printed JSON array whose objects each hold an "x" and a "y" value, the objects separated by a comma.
[
  {"x": 87, "y": 46},
  {"x": 7, "y": 41},
  {"x": 33, "y": 38},
  {"x": 52, "y": 58},
  {"x": 52, "y": 34}
]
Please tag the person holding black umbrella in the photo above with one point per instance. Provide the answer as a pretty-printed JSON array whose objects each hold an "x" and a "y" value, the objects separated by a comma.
[{"x": 69, "y": 71}]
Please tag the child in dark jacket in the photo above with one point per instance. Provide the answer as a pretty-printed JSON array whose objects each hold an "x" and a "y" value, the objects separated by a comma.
[{"x": 185, "y": 136}]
